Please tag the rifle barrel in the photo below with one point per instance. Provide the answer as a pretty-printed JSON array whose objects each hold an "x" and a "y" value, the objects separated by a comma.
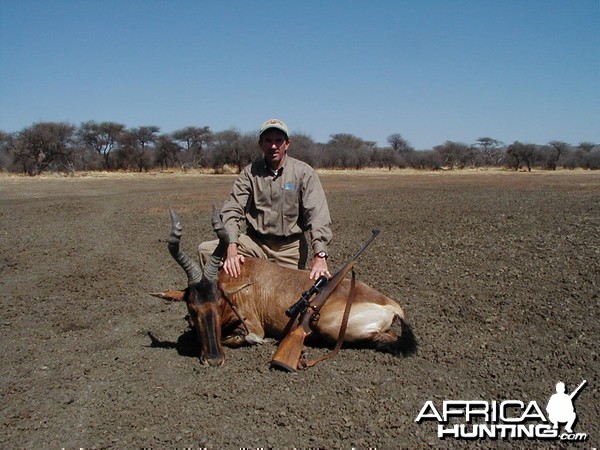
[
  {"x": 375, "y": 232},
  {"x": 576, "y": 391}
]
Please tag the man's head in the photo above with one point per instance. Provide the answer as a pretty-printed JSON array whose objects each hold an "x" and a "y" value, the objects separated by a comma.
[{"x": 274, "y": 141}]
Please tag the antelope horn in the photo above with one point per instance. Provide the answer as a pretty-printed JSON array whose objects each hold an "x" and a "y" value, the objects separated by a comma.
[
  {"x": 211, "y": 269},
  {"x": 218, "y": 226},
  {"x": 192, "y": 269}
]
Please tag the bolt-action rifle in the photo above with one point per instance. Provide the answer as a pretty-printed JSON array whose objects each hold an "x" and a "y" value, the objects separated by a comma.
[{"x": 288, "y": 354}]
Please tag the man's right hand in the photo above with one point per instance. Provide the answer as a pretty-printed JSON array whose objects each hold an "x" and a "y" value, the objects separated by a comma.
[{"x": 233, "y": 262}]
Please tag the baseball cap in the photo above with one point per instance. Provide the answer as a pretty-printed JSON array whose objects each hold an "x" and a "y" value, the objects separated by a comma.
[{"x": 274, "y": 123}]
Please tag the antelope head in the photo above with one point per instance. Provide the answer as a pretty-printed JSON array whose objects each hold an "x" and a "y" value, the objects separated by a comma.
[{"x": 202, "y": 294}]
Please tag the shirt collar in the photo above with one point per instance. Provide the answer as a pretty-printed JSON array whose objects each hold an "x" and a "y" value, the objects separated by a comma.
[{"x": 275, "y": 173}]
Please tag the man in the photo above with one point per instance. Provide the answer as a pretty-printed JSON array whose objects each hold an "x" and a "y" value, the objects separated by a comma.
[
  {"x": 278, "y": 198},
  {"x": 560, "y": 408}
]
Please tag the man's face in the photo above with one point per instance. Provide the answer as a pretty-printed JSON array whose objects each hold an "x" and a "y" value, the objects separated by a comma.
[{"x": 274, "y": 144}]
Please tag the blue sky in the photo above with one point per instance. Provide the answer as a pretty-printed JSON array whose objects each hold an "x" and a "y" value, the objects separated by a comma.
[{"x": 430, "y": 70}]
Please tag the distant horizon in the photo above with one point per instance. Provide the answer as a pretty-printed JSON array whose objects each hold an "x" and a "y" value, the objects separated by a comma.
[
  {"x": 432, "y": 71},
  {"x": 292, "y": 133}
]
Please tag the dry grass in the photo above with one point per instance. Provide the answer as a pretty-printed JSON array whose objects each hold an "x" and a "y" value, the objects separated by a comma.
[{"x": 176, "y": 172}]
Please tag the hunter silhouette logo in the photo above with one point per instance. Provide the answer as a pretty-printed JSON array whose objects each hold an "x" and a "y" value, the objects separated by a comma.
[
  {"x": 560, "y": 407},
  {"x": 506, "y": 419}
]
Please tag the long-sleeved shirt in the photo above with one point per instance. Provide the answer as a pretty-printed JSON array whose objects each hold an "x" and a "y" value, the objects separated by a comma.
[{"x": 284, "y": 204}]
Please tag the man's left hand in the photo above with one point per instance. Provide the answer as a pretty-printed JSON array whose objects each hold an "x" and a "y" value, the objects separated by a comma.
[{"x": 318, "y": 268}]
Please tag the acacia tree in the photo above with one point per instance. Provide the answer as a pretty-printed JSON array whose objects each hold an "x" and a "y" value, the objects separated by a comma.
[
  {"x": 401, "y": 147},
  {"x": 45, "y": 145},
  {"x": 193, "y": 140},
  {"x": 586, "y": 146},
  {"x": 491, "y": 150},
  {"x": 128, "y": 149},
  {"x": 399, "y": 144},
  {"x": 455, "y": 154},
  {"x": 588, "y": 155},
  {"x": 519, "y": 153},
  {"x": 346, "y": 150},
  {"x": 552, "y": 153},
  {"x": 426, "y": 160},
  {"x": 101, "y": 137},
  {"x": 304, "y": 148},
  {"x": 233, "y": 148},
  {"x": 144, "y": 136},
  {"x": 166, "y": 151},
  {"x": 387, "y": 157}
]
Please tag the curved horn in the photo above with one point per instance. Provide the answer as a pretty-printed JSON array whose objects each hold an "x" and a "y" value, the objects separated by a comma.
[
  {"x": 192, "y": 269},
  {"x": 211, "y": 268},
  {"x": 218, "y": 226}
]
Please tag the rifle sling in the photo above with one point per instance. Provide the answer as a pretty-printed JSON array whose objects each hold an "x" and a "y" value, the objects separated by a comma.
[{"x": 343, "y": 326}]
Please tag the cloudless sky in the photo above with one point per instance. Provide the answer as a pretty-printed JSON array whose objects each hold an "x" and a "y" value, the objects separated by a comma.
[{"x": 431, "y": 70}]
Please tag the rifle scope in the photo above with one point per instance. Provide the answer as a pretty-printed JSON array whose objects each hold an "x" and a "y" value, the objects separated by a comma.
[{"x": 304, "y": 301}]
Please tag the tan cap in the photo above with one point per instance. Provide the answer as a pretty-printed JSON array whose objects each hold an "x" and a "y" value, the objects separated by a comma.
[{"x": 274, "y": 123}]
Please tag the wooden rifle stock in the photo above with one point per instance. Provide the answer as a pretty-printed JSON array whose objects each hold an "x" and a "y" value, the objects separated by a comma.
[{"x": 289, "y": 351}]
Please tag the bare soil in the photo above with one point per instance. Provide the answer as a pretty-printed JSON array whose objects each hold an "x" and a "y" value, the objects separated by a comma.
[{"x": 498, "y": 272}]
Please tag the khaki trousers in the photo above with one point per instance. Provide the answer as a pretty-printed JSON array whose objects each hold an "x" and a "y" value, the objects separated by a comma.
[{"x": 286, "y": 252}]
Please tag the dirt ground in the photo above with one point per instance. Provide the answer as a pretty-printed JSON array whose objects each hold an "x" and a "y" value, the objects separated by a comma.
[{"x": 498, "y": 272}]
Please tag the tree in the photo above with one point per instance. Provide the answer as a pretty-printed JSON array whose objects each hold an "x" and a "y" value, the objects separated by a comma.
[
  {"x": 400, "y": 154},
  {"x": 426, "y": 160},
  {"x": 304, "y": 148},
  {"x": 101, "y": 137},
  {"x": 193, "y": 140},
  {"x": 387, "y": 157},
  {"x": 588, "y": 154},
  {"x": 166, "y": 151},
  {"x": 586, "y": 146},
  {"x": 5, "y": 158},
  {"x": 144, "y": 136},
  {"x": 455, "y": 154},
  {"x": 399, "y": 144},
  {"x": 45, "y": 145},
  {"x": 492, "y": 153},
  {"x": 232, "y": 148},
  {"x": 127, "y": 151},
  {"x": 552, "y": 153},
  {"x": 519, "y": 153},
  {"x": 346, "y": 150}
]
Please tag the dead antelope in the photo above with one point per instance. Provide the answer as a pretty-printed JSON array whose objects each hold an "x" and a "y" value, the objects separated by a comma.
[{"x": 243, "y": 311}]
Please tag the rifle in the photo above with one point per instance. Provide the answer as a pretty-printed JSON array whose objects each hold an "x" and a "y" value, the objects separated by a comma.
[
  {"x": 288, "y": 354},
  {"x": 576, "y": 391}
]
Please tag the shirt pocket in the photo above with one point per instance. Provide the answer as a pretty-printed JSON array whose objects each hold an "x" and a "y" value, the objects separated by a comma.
[{"x": 291, "y": 199}]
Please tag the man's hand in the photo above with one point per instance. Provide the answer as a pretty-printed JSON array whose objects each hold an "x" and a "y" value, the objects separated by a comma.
[
  {"x": 318, "y": 268},
  {"x": 233, "y": 262}
]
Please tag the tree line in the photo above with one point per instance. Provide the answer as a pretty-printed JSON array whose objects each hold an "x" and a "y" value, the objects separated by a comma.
[{"x": 109, "y": 146}]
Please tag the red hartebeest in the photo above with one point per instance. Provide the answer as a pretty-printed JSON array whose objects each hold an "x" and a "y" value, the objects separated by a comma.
[{"x": 252, "y": 306}]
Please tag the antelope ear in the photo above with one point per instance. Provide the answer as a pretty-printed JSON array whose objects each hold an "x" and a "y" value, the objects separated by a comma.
[
  {"x": 232, "y": 288},
  {"x": 174, "y": 296}
]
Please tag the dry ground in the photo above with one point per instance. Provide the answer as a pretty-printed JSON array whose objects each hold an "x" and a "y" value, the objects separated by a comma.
[{"x": 498, "y": 272}]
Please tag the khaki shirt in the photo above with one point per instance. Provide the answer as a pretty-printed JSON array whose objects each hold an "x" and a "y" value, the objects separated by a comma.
[{"x": 282, "y": 205}]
